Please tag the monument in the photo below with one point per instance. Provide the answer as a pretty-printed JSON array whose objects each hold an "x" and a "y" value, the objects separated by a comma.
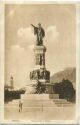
[
  {"x": 39, "y": 93},
  {"x": 39, "y": 76}
]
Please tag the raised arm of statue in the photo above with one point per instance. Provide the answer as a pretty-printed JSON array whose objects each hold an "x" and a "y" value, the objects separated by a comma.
[
  {"x": 35, "y": 29},
  {"x": 32, "y": 25}
]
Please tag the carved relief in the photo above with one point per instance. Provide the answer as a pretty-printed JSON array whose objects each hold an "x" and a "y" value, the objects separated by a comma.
[{"x": 40, "y": 74}]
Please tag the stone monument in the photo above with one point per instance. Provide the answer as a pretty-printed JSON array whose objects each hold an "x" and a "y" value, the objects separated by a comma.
[
  {"x": 39, "y": 93},
  {"x": 39, "y": 76}
]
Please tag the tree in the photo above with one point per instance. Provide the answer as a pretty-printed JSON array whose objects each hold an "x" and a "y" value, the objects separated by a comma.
[{"x": 65, "y": 90}]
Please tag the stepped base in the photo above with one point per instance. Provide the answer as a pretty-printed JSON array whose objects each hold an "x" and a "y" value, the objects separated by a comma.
[{"x": 38, "y": 100}]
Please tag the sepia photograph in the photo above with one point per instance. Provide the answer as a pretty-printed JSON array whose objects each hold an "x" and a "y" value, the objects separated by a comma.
[{"x": 40, "y": 62}]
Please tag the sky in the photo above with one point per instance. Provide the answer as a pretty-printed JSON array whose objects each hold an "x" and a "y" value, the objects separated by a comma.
[{"x": 59, "y": 23}]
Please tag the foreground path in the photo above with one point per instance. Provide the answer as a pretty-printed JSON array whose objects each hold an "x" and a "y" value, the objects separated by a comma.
[{"x": 36, "y": 114}]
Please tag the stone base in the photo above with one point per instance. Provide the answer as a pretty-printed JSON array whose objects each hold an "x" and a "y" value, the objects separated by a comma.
[{"x": 38, "y": 100}]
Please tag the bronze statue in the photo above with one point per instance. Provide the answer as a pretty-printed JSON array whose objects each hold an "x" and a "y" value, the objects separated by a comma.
[{"x": 40, "y": 33}]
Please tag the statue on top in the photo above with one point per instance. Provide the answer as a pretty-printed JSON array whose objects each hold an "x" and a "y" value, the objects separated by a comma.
[{"x": 40, "y": 33}]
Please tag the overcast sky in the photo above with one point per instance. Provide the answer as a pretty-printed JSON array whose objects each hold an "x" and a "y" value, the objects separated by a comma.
[{"x": 59, "y": 23}]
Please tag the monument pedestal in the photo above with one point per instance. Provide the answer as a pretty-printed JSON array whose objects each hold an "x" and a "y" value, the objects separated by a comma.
[{"x": 39, "y": 73}]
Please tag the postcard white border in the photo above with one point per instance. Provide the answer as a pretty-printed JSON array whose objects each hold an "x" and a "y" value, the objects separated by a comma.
[{"x": 2, "y": 63}]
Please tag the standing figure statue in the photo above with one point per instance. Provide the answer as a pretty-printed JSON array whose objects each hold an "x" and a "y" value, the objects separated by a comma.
[{"x": 40, "y": 33}]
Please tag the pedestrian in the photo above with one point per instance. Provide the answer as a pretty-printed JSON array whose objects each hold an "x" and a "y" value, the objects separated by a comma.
[{"x": 20, "y": 105}]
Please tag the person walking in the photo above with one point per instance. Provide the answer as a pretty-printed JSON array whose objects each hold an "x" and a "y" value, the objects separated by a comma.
[{"x": 20, "y": 105}]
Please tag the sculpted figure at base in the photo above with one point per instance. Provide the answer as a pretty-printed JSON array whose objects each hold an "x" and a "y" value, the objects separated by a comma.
[
  {"x": 40, "y": 33},
  {"x": 40, "y": 74}
]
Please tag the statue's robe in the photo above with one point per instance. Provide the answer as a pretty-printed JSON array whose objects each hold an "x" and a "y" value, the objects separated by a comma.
[
  {"x": 39, "y": 35},
  {"x": 36, "y": 31}
]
